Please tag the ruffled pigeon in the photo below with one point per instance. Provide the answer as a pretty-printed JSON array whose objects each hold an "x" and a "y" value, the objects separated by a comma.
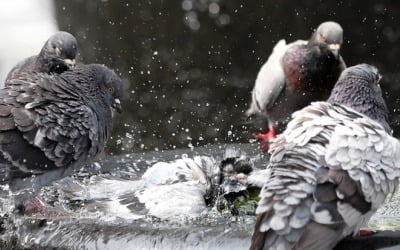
[
  {"x": 331, "y": 169},
  {"x": 57, "y": 55},
  {"x": 297, "y": 74},
  {"x": 53, "y": 122}
]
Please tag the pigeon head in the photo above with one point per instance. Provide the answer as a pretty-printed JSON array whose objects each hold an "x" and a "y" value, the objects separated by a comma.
[
  {"x": 331, "y": 34},
  {"x": 358, "y": 88},
  {"x": 97, "y": 84},
  {"x": 112, "y": 86},
  {"x": 234, "y": 172},
  {"x": 60, "y": 50}
]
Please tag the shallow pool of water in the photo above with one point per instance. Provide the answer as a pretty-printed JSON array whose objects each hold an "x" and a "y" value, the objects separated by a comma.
[{"x": 69, "y": 226}]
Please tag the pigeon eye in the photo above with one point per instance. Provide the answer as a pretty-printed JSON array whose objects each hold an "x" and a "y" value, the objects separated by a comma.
[{"x": 110, "y": 90}]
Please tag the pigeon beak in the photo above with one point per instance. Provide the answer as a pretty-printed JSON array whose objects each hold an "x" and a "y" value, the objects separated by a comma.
[
  {"x": 117, "y": 105},
  {"x": 70, "y": 62},
  {"x": 334, "y": 47}
]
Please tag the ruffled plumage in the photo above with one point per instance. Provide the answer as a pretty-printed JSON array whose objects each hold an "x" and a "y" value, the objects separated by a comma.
[
  {"x": 54, "y": 121},
  {"x": 331, "y": 169}
]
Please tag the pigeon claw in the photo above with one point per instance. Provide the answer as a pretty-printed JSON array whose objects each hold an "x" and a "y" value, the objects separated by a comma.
[
  {"x": 271, "y": 134},
  {"x": 32, "y": 206},
  {"x": 365, "y": 232},
  {"x": 266, "y": 138}
]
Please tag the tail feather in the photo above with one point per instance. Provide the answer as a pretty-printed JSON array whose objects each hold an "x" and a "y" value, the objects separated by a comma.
[
  {"x": 317, "y": 236},
  {"x": 258, "y": 238}
]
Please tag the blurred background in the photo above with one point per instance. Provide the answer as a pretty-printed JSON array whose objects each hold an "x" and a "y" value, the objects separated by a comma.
[{"x": 189, "y": 65}]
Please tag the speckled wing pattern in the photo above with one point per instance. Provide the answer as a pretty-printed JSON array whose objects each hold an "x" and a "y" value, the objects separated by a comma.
[
  {"x": 44, "y": 125},
  {"x": 330, "y": 171}
]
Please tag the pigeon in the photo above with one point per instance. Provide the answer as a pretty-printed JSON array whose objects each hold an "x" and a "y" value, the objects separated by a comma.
[
  {"x": 331, "y": 169},
  {"x": 53, "y": 122},
  {"x": 192, "y": 186},
  {"x": 57, "y": 55},
  {"x": 296, "y": 74}
]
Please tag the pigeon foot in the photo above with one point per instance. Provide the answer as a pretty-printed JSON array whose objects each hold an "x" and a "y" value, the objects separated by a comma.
[
  {"x": 265, "y": 139},
  {"x": 32, "y": 206},
  {"x": 365, "y": 232}
]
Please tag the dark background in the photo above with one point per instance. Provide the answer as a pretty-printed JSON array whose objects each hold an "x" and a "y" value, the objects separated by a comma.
[{"x": 189, "y": 66}]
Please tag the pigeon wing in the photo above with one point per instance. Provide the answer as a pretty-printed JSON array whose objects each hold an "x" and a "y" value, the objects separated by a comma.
[
  {"x": 362, "y": 162},
  {"x": 48, "y": 125},
  {"x": 270, "y": 81}
]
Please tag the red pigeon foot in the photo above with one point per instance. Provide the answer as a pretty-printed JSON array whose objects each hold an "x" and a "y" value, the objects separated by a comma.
[
  {"x": 266, "y": 138},
  {"x": 365, "y": 232},
  {"x": 32, "y": 206},
  {"x": 271, "y": 134}
]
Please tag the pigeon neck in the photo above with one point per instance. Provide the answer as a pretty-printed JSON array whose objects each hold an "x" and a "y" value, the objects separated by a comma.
[
  {"x": 48, "y": 63},
  {"x": 42, "y": 64},
  {"x": 87, "y": 81},
  {"x": 313, "y": 40}
]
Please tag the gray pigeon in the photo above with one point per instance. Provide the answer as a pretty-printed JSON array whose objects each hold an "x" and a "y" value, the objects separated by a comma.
[
  {"x": 57, "y": 55},
  {"x": 52, "y": 122},
  {"x": 331, "y": 169},
  {"x": 297, "y": 74}
]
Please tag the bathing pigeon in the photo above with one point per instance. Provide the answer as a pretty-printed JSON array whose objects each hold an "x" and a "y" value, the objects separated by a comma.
[
  {"x": 192, "y": 186},
  {"x": 331, "y": 169},
  {"x": 296, "y": 74},
  {"x": 51, "y": 122},
  {"x": 57, "y": 55}
]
